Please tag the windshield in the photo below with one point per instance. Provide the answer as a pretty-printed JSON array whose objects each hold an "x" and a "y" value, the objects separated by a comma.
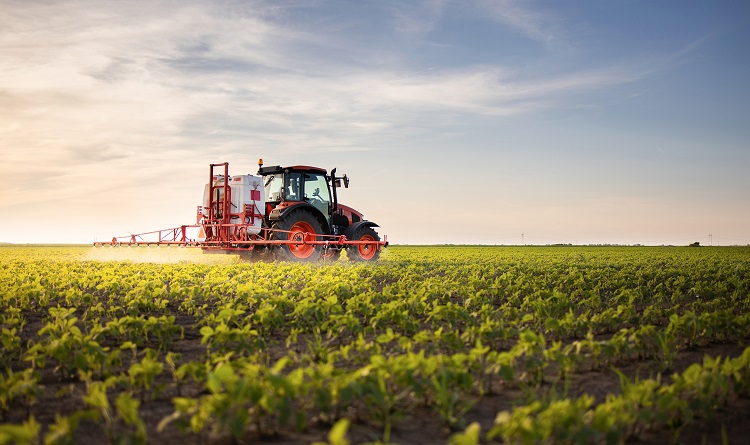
[{"x": 283, "y": 187}]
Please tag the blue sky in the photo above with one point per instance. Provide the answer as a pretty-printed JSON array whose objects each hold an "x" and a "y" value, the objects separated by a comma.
[{"x": 471, "y": 121}]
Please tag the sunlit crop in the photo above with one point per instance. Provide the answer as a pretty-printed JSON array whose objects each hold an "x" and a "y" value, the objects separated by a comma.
[{"x": 472, "y": 344}]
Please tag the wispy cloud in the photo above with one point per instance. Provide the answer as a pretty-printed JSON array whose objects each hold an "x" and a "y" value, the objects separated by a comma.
[
  {"x": 118, "y": 102},
  {"x": 525, "y": 17},
  {"x": 91, "y": 82},
  {"x": 417, "y": 17}
]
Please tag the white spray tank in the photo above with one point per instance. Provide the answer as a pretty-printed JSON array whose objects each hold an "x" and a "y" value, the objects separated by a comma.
[{"x": 248, "y": 200}]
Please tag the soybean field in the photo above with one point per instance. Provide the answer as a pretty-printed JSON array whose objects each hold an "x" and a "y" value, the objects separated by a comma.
[{"x": 430, "y": 344}]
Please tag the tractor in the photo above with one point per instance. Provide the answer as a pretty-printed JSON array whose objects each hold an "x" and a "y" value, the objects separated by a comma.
[
  {"x": 286, "y": 213},
  {"x": 302, "y": 205}
]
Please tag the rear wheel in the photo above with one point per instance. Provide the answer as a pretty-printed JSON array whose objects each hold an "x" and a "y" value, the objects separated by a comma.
[
  {"x": 364, "y": 252},
  {"x": 299, "y": 226}
]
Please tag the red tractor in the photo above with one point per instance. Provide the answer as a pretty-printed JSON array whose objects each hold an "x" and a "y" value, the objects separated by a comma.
[
  {"x": 302, "y": 205},
  {"x": 287, "y": 213}
]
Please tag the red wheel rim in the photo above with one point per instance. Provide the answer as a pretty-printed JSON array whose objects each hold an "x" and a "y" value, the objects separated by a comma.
[
  {"x": 367, "y": 251},
  {"x": 297, "y": 233}
]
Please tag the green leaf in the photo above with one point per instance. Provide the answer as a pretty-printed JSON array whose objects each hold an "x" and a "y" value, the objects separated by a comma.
[
  {"x": 25, "y": 433},
  {"x": 337, "y": 434},
  {"x": 127, "y": 408},
  {"x": 470, "y": 436},
  {"x": 223, "y": 375}
]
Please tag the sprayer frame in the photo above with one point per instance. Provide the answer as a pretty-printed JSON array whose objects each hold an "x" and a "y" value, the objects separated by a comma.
[{"x": 220, "y": 234}]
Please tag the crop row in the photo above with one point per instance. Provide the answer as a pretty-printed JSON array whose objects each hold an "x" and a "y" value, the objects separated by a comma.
[
  {"x": 240, "y": 395},
  {"x": 266, "y": 348}
]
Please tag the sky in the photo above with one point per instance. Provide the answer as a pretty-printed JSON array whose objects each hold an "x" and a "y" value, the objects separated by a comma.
[{"x": 458, "y": 121}]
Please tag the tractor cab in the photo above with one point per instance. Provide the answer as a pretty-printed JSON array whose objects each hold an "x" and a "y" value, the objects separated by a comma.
[
  {"x": 298, "y": 184},
  {"x": 305, "y": 186},
  {"x": 302, "y": 201}
]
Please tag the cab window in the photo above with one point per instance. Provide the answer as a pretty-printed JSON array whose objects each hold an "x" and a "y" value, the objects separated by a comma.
[
  {"x": 316, "y": 192},
  {"x": 274, "y": 185},
  {"x": 293, "y": 187},
  {"x": 284, "y": 187}
]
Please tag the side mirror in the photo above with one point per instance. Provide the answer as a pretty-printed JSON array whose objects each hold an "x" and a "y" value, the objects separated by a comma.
[{"x": 346, "y": 182}]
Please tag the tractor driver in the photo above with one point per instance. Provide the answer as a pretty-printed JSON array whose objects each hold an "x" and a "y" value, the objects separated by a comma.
[{"x": 293, "y": 187}]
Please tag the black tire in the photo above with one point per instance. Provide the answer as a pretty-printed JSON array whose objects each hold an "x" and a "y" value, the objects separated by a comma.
[
  {"x": 364, "y": 252},
  {"x": 292, "y": 227},
  {"x": 331, "y": 255}
]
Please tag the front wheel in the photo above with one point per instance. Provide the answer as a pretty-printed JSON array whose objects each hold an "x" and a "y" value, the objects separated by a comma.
[
  {"x": 364, "y": 252},
  {"x": 302, "y": 227}
]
